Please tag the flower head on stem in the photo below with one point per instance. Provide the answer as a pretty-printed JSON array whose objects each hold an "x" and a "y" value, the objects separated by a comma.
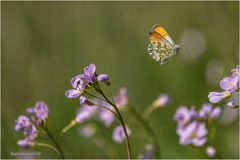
[
  {"x": 230, "y": 86},
  {"x": 35, "y": 128},
  {"x": 192, "y": 124},
  {"x": 162, "y": 101},
  {"x": 90, "y": 80}
]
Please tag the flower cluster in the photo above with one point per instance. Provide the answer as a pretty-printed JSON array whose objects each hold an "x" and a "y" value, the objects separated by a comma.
[
  {"x": 230, "y": 86},
  {"x": 106, "y": 109},
  {"x": 24, "y": 125},
  {"x": 39, "y": 114},
  {"x": 86, "y": 80},
  {"x": 101, "y": 110},
  {"x": 191, "y": 126},
  {"x": 90, "y": 107}
]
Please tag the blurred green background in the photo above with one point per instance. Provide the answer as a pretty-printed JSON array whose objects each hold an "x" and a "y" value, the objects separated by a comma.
[{"x": 44, "y": 44}]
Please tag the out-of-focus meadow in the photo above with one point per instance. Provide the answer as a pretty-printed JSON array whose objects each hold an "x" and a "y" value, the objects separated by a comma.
[{"x": 44, "y": 44}]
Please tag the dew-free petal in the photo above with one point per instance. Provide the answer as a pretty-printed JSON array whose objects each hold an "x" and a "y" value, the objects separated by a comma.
[
  {"x": 229, "y": 83},
  {"x": 118, "y": 134},
  {"x": 215, "y": 97},
  {"x": 89, "y": 73},
  {"x": 122, "y": 98},
  {"x": 199, "y": 142},
  {"x": 22, "y": 123},
  {"x": 106, "y": 117},
  {"x": 72, "y": 93},
  {"x": 216, "y": 112},
  {"x": 25, "y": 143},
  {"x": 77, "y": 82}
]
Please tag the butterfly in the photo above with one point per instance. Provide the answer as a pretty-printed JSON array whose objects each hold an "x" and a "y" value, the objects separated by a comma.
[{"x": 161, "y": 46}]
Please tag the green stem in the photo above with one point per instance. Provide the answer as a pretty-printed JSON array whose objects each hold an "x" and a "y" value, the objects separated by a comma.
[
  {"x": 150, "y": 131},
  {"x": 48, "y": 146},
  {"x": 68, "y": 127},
  {"x": 212, "y": 132},
  {"x": 101, "y": 105},
  {"x": 121, "y": 121},
  {"x": 111, "y": 95},
  {"x": 107, "y": 109},
  {"x": 148, "y": 111},
  {"x": 94, "y": 96},
  {"x": 54, "y": 141}
]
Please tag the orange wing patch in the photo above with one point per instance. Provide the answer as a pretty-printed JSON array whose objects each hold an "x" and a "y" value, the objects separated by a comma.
[
  {"x": 157, "y": 33},
  {"x": 154, "y": 37},
  {"x": 161, "y": 31}
]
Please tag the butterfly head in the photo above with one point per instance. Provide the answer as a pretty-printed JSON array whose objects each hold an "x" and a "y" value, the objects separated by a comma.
[
  {"x": 176, "y": 48},
  {"x": 150, "y": 31}
]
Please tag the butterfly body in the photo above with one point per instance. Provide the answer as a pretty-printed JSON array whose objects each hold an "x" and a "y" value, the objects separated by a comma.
[{"x": 161, "y": 47}]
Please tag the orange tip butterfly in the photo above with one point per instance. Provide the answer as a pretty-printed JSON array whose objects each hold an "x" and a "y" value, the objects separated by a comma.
[{"x": 161, "y": 46}]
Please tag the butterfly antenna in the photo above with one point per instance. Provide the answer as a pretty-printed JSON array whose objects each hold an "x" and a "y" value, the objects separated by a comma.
[
  {"x": 183, "y": 46},
  {"x": 185, "y": 42},
  {"x": 187, "y": 51}
]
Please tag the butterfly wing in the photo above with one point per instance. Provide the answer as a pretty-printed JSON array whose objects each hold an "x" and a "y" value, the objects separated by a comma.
[
  {"x": 161, "y": 46},
  {"x": 160, "y": 51}
]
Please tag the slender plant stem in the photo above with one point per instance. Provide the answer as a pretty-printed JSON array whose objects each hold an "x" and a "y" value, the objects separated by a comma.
[
  {"x": 107, "y": 109},
  {"x": 69, "y": 126},
  {"x": 111, "y": 95},
  {"x": 121, "y": 120},
  {"x": 148, "y": 111},
  {"x": 73, "y": 122},
  {"x": 101, "y": 105},
  {"x": 54, "y": 141},
  {"x": 94, "y": 96},
  {"x": 150, "y": 131},
  {"x": 211, "y": 137},
  {"x": 48, "y": 146}
]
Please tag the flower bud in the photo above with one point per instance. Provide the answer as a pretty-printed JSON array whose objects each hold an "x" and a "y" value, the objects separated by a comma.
[
  {"x": 161, "y": 101},
  {"x": 103, "y": 78},
  {"x": 26, "y": 143},
  {"x": 210, "y": 151},
  {"x": 84, "y": 100}
]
